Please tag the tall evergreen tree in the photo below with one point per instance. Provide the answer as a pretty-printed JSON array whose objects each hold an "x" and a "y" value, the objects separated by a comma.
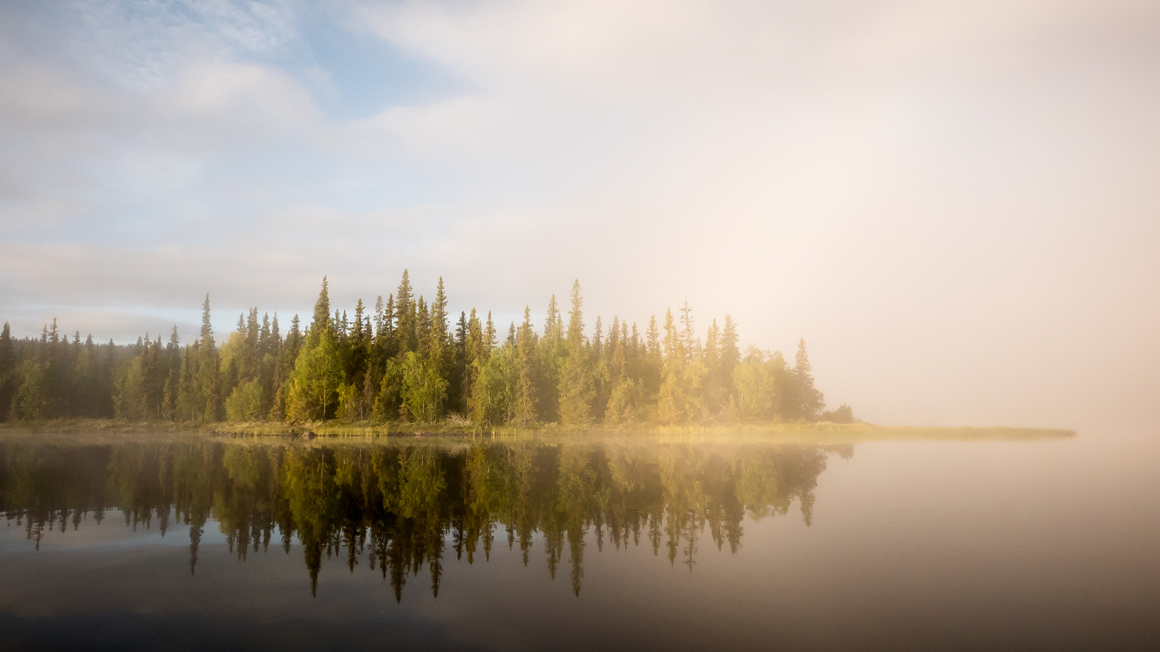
[
  {"x": 319, "y": 370},
  {"x": 7, "y": 371},
  {"x": 321, "y": 320},
  {"x": 524, "y": 412},
  {"x": 576, "y": 382},
  {"x": 807, "y": 400},
  {"x": 405, "y": 327},
  {"x": 552, "y": 354}
]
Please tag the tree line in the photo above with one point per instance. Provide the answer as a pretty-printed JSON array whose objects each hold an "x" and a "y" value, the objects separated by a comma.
[
  {"x": 399, "y": 506},
  {"x": 405, "y": 360}
]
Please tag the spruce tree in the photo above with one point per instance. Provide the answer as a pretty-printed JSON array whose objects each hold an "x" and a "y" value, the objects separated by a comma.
[
  {"x": 715, "y": 381},
  {"x": 489, "y": 341},
  {"x": 7, "y": 371},
  {"x": 320, "y": 368},
  {"x": 808, "y": 401},
  {"x": 206, "y": 397},
  {"x": 576, "y": 382},
  {"x": 552, "y": 354},
  {"x": 524, "y": 413},
  {"x": 405, "y": 331},
  {"x": 730, "y": 354},
  {"x": 321, "y": 320}
]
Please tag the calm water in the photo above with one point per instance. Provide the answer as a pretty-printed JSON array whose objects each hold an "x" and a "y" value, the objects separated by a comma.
[{"x": 578, "y": 545}]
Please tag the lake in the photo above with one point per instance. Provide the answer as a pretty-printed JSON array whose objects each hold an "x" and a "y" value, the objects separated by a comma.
[{"x": 580, "y": 543}]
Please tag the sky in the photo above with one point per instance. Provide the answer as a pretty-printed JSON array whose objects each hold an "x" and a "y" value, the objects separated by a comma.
[{"x": 957, "y": 205}]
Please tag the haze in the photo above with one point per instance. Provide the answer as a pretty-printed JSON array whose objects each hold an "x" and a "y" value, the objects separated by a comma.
[{"x": 956, "y": 206}]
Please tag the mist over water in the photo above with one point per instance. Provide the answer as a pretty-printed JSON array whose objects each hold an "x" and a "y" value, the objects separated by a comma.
[{"x": 661, "y": 545}]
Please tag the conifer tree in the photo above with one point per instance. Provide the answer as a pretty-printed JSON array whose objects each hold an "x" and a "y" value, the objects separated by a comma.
[
  {"x": 651, "y": 363},
  {"x": 473, "y": 357},
  {"x": 807, "y": 401},
  {"x": 405, "y": 328},
  {"x": 730, "y": 355},
  {"x": 7, "y": 371},
  {"x": 489, "y": 342},
  {"x": 457, "y": 373},
  {"x": 599, "y": 369},
  {"x": 524, "y": 411},
  {"x": 319, "y": 370},
  {"x": 716, "y": 395},
  {"x": 678, "y": 400},
  {"x": 439, "y": 317},
  {"x": 552, "y": 354},
  {"x": 321, "y": 309},
  {"x": 173, "y": 377},
  {"x": 199, "y": 395},
  {"x": 576, "y": 382}
]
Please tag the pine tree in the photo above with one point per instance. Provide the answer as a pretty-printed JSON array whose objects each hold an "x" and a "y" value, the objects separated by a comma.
[
  {"x": 473, "y": 358},
  {"x": 321, "y": 310},
  {"x": 405, "y": 328},
  {"x": 552, "y": 354},
  {"x": 730, "y": 354},
  {"x": 576, "y": 382},
  {"x": 7, "y": 371},
  {"x": 807, "y": 401},
  {"x": 679, "y": 399},
  {"x": 489, "y": 342},
  {"x": 319, "y": 369},
  {"x": 199, "y": 394},
  {"x": 524, "y": 411},
  {"x": 716, "y": 396},
  {"x": 439, "y": 318}
]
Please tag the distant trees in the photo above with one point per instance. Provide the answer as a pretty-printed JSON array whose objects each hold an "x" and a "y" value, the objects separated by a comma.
[{"x": 404, "y": 360}]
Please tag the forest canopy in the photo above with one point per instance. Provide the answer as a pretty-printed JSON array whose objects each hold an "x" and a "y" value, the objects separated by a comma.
[{"x": 407, "y": 359}]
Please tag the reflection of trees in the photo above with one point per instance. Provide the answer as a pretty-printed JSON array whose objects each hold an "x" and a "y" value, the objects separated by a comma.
[{"x": 398, "y": 506}]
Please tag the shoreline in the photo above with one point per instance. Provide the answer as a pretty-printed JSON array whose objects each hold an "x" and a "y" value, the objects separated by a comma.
[{"x": 807, "y": 433}]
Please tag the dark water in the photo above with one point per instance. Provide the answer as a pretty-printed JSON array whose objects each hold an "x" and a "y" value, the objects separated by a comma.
[{"x": 581, "y": 545}]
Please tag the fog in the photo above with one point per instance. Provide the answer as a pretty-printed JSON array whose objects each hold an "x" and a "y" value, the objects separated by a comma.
[{"x": 956, "y": 207}]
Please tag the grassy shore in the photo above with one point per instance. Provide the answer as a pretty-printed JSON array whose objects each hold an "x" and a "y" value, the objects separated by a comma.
[{"x": 817, "y": 433}]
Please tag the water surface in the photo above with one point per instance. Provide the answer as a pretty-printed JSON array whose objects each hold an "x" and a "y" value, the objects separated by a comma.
[{"x": 581, "y": 543}]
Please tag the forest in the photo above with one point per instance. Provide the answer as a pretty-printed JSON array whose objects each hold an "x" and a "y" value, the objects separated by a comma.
[{"x": 405, "y": 361}]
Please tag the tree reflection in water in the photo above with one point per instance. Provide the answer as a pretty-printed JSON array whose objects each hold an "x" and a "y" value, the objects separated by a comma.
[{"x": 400, "y": 505}]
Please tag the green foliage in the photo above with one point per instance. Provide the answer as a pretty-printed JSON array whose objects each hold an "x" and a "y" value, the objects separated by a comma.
[
  {"x": 679, "y": 399},
  {"x": 130, "y": 401},
  {"x": 758, "y": 382},
  {"x": 403, "y": 362},
  {"x": 493, "y": 399},
  {"x": 318, "y": 374},
  {"x": 803, "y": 401},
  {"x": 34, "y": 399},
  {"x": 577, "y": 385},
  {"x": 424, "y": 390},
  {"x": 623, "y": 402},
  {"x": 245, "y": 402},
  {"x": 841, "y": 414}
]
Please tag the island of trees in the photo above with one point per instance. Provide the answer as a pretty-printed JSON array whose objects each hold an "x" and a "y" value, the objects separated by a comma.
[{"x": 406, "y": 360}]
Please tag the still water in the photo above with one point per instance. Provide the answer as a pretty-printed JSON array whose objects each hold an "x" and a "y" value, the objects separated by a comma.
[{"x": 580, "y": 544}]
